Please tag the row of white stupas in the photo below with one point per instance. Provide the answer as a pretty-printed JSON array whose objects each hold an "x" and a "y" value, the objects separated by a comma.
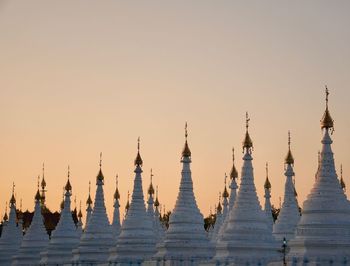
[{"x": 244, "y": 233}]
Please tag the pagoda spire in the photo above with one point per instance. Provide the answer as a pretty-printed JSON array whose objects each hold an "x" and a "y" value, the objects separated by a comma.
[
  {"x": 289, "y": 216},
  {"x": 127, "y": 205},
  {"x": 219, "y": 218},
  {"x": 342, "y": 183},
  {"x": 136, "y": 242},
  {"x": 80, "y": 222},
  {"x": 116, "y": 214},
  {"x": 98, "y": 234},
  {"x": 185, "y": 240},
  {"x": 65, "y": 237},
  {"x": 225, "y": 202},
  {"x": 35, "y": 240},
  {"x": 267, "y": 196},
  {"x": 322, "y": 235},
  {"x": 43, "y": 187},
  {"x": 246, "y": 238},
  {"x": 158, "y": 226},
  {"x": 150, "y": 201},
  {"x": 11, "y": 236},
  {"x": 89, "y": 206}
]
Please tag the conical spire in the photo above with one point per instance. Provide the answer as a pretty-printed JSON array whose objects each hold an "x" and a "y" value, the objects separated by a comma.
[
  {"x": 247, "y": 142},
  {"x": 80, "y": 222},
  {"x": 11, "y": 235},
  {"x": 267, "y": 196},
  {"x": 322, "y": 234},
  {"x": 136, "y": 242},
  {"x": 225, "y": 202},
  {"x": 342, "y": 183},
  {"x": 185, "y": 239},
  {"x": 289, "y": 158},
  {"x": 150, "y": 201},
  {"x": 245, "y": 238},
  {"x": 98, "y": 234},
  {"x": 65, "y": 236},
  {"x": 35, "y": 240},
  {"x": 89, "y": 206},
  {"x": 127, "y": 205},
  {"x": 116, "y": 214},
  {"x": 289, "y": 216},
  {"x": 43, "y": 188}
]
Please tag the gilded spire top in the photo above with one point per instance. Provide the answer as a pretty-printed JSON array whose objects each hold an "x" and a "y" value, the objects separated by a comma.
[
  {"x": 43, "y": 182},
  {"x": 219, "y": 207},
  {"x": 127, "y": 206},
  {"x": 225, "y": 193},
  {"x": 234, "y": 173},
  {"x": 150, "y": 188},
  {"x": 100, "y": 176},
  {"x": 89, "y": 200},
  {"x": 247, "y": 142},
  {"x": 156, "y": 202},
  {"x": 267, "y": 184},
  {"x": 342, "y": 183},
  {"x": 327, "y": 122},
  {"x": 13, "y": 199},
  {"x": 186, "y": 152},
  {"x": 138, "y": 161},
  {"x": 80, "y": 215},
  {"x": 116, "y": 193},
  {"x": 68, "y": 186},
  {"x": 289, "y": 158}
]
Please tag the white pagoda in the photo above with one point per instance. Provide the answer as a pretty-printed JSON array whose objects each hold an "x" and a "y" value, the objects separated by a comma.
[
  {"x": 65, "y": 237},
  {"x": 323, "y": 233},
  {"x": 97, "y": 238},
  {"x": 11, "y": 236},
  {"x": 136, "y": 242},
  {"x": 186, "y": 240},
  {"x": 246, "y": 239},
  {"x": 289, "y": 215}
]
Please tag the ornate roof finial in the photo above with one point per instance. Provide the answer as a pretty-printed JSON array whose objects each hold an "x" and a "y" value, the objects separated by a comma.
[
  {"x": 289, "y": 158},
  {"x": 342, "y": 183},
  {"x": 43, "y": 182},
  {"x": 100, "y": 176},
  {"x": 138, "y": 161},
  {"x": 234, "y": 173},
  {"x": 13, "y": 199},
  {"x": 225, "y": 193},
  {"x": 68, "y": 186},
  {"x": 267, "y": 184},
  {"x": 116, "y": 193},
  {"x": 89, "y": 200},
  {"x": 327, "y": 122},
  {"x": 247, "y": 143},
  {"x": 156, "y": 202},
  {"x": 150, "y": 188},
  {"x": 80, "y": 215},
  {"x": 127, "y": 206},
  {"x": 219, "y": 207},
  {"x": 186, "y": 152}
]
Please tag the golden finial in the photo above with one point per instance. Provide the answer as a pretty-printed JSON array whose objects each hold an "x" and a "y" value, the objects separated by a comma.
[
  {"x": 13, "y": 199},
  {"x": 43, "y": 182},
  {"x": 75, "y": 202},
  {"x": 150, "y": 188},
  {"x": 100, "y": 176},
  {"x": 138, "y": 161},
  {"x": 247, "y": 143},
  {"x": 234, "y": 173},
  {"x": 327, "y": 122},
  {"x": 156, "y": 202},
  {"x": 219, "y": 208},
  {"x": 267, "y": 184},
  {"x": 342, "y": 183},
  {"x": 225, "y": 193},
  {"x": 186, "y": 152},
  {"x": 68, "y": 186},
  {"x": 89, "y": 201},
  {"x": 116, "y": 193},
  {"x": 127, "y": 206},
  {"x": 289, "y": 158},
  {"x": 80, "y": 215}
]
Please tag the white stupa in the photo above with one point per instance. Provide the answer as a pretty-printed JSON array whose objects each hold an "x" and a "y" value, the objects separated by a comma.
[
  {"x": 267, "y": 196},
  {"x": 116, "y": 214},
  {"x": 65, "y": 236},
  {"x": 136, "y": 242},
  {"x": 97, "y": 238},
  {"x": 289, "y": 215},
  {"x": 11, "y": 236},
  {"x": 89, "y": 206},
  {"x": 35, "y": 240},
  {"x": 246, "y": 239},
  {"x": 323, "y": 233},
  {"x": 186, "y": 239}
]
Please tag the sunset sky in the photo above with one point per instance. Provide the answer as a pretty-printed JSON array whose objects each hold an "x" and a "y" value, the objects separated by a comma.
[{"x": 82, "y": 77}]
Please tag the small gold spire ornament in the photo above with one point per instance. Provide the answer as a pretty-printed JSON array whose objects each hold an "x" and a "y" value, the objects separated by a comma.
[
  {"x": 13, "y": 199},
  {"x": 156, "y": 202},
  {"x": 219, "y": 207},
  {"x": 327, "y": 122},
  {"x": 234, "y": 173},
  {"x": 342, "y": 183},
  {"x": 289, "y": 158},
  {"x": 150, "y": 188},
  {"x": 68, "y": 186},
  {"x": 138, "y": 161},
  {"x": 186, "y": 152},
  {"x": 116, "y": 193},
  {"x": 89, "y": 201},
  {"x": 267, "y": 184},
  {"x": 247, "y": 142},
  {"x": 225, "y": 193},
  {"x": 100, "y": 176}
]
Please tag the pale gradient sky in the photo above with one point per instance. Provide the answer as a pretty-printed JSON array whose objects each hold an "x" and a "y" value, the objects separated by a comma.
[{"x": 81, "y": 77}]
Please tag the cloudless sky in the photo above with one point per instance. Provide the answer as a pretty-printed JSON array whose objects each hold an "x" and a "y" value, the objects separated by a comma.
[{"x": 82, "y": 77}]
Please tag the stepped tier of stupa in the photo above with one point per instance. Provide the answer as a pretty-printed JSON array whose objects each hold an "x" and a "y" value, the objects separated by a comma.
[
  {"x": 185, "y": 241},
  {"x": 98, "y": 237},
  {"x": 65, "y": 237},
  {"x": 11, "y": 236},
  {"x": 137, "y": 241},
  {"x": 246, "y": 239},
  {"x": 323, "y": 232},
  {"x": 289, "y": 215},
  {"x": 34, "y": 241}
]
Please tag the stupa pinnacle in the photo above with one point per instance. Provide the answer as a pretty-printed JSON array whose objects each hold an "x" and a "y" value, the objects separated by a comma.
[
  {"x": 267, "y": 196},
  {"x": 116, "y": 214}
]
